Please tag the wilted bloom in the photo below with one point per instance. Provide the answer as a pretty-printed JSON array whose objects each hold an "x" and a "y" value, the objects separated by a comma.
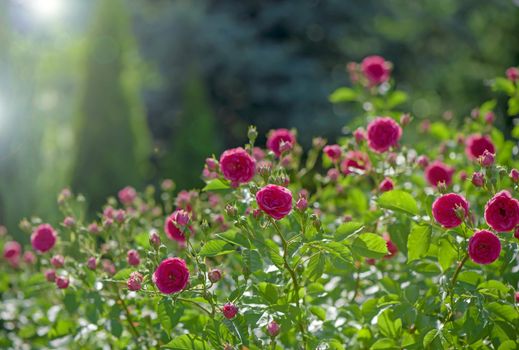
[
  {"x": 276, "y": 201},
  {"x": 383, "y": 133},
  {"x": 57, "y": 261},
  {"x": 484, "y": 247},
  {"x": 171, "y": 276},
  {"x": 229, "y": 311},
  {"x": 278, "y": 136},
  {"x": 355, "y": 160},
  {"x": 502, "y": 212},
  {"x": 333, "y": 152},
  {"x": 375, "y": 69},
  {"x": 487, "y": 159},
  {"x": 478, "y": 179},
  {"x": 62, "y": 282},
  {"x": 237, "y": 166},
  {"x": 273, "y": 328},
  {"x": 133, "y": 257},
  {"x": 514, "y": 175},
  {"x": 476, "y": 145},
  {"x": 43, "y": 238},
  {"x": 214, "y": 275},
  {"x": 446, "y": 209},
  {"x": 50, "y": 275},
  {"x": 386, "y": 185},
  {"x": 127, "y": 195},
  {"x": 29, "y": 257},
  {"x": 512, "y": 74},
  {"x": 438, "y": 172},
  {"x": 92, "y": 263},
  {"x": 134, "y": 282}
]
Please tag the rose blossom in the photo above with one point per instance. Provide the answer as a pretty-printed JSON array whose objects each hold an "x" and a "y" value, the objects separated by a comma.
[
  {"x": 12, "y": 251},
  {"x": 333, "y": 152},
  {"x": 127, "y": 195},
  {"x": 57, "y": 261},
  {"x": 438, "y": 172},
  {"x": 276, "y": 201},
  {"x": 355, "y": 160},
  {"x": 171, "y": 276},
  {"x": 502, "y": 212},
  {"x": 484, "y": 247},
  {"x": 512, "y": 74},
  {"x": 422, "y": 161},
  {"x": 360, "y": 135},
  {"x": 133, "y": 257},
  {"x": 69, "y": 221},
  {"x": 175, "y": 224},
  {"x": 134, "y": 282},
  {"x": 514, "y": 175},
  {"x": 237, "y": 165},
  {"x": 276, "y": 137},
  {"x": 43, "y": 238},
  {"x": 273, "y": 328},
  {"x": 383, "y": 133},
  {"x": 29, "y": 257},
  {"x": 62, "y": 282},
  {"x": 476, "y": 145},
  {"x": 50, "y": 275},
  {"x": 333, "y": 174},
  {"x": 375, "y": 69},
  {"x": 92, "y": 263},
  {"x": 446, "y": 209},
  {"x": 386, "y": 185},
  {"x": 229, "y": 310}
]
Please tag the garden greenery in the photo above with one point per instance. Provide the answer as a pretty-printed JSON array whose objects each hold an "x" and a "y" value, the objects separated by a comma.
[{"x": 370, "y": 243}]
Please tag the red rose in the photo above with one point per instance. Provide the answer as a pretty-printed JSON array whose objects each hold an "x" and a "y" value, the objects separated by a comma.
[
  {"x": 43, "y": 238},
  {"x": 484, "y": 247},
  {"x": 476, "y": 145},
  {"x": 276, "y": 137},
  {"x": 375, "y": 69},
  {"x": 447, "y": 208},
  {"x": 276, "y": 201},
  {"x": 355, "y": 160},
  {"x": 229, "y": 311},
  {"x": 333, "y": 152},
  {"x": 383, "y": 133},
  {"x": 502, "y": 212},
  {"x": 237, "y": 165},
  {"x": 171, "y": 276},
  {"x": 437, "y": 172}
]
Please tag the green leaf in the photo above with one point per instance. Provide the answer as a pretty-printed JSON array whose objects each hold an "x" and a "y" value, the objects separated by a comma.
[
  {"x": 238, "y": 327},
  {"x": 252, "y": 259},
  {"x": 216, "y": 185},
  {"x": 395, "y": 99},
  {"x": 319, "y": 312},
  {"x": 389, "y": 327},
  {"x": 273, "y": 251},
  {"x": 348, "y": 228},
  {"x": 187, "y": 342},
  {"x": 503, "y": 85},
  {"x": 216, "y": 247},
  {"x": 168, "y": 314},
  {"x": 429, "y": 337},
  {"x": 440, "y": 131},
  {"x": 513, "y": 106},
  {"x": 269, "y": 292},
  {"x": 508, "y": 345},
  {"x": 369, "y": 245},
  {"x": 418, "y": 242},
  {"x": 384, "y": 343},
  {"x": 123, "y": 274},
  {"x": 71, "y": 302},
  {"x": 343, "y": 94},
  {"x": 398, "y": 200},
  {"x": 143, "y": 240},
  {"x": 506, "y": 312},
  {"x": 447, "y": 253},
  {"x": 315, "y": 266}
]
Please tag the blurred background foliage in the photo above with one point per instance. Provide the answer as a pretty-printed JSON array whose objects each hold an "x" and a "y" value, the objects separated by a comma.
[{"x": 101, "y": 94}]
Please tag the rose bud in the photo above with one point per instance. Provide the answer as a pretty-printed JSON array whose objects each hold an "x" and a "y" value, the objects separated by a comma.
[
  {"x": 57, "y": 261},
  {"x": 134, "y": 282},
  {"x": 119, "y": 215},
  {"x": 516, "y": 232},
  {"x": 214, "y": 275},
  {"x": 133, "y": 257},
  {"x": 92, "y": 263},
  {"x": 211, "y": 163},
  {"x": 231, "y": 210},
  {"x": 229, "y": 311},
  {"x": 127, "y": 195},
  {"x": 514, "y": 175},
  {"x": 301, "y": 204},
  {"x": 422, "y": 161},
  {"x": 167, "y": 185},
  {"x": 512, "y": 74},
  {"x": 273, "y": 328},
  {"x": 69, "y": 221},
  {"x": 386, "y": 185},
  {"x": 29, "y": 257},
  {"x": 93, "y": 228},
  {"x": 478, "y": 179},
  {"x": 333, "y": 152},
  {"x": 490, "y": 117},
  {"x": 50, "y": 275},
  {"x": 333, "y": 174},
  {"x": 62, "y": 282},
  {"x": 360, "y": 135},
  {"x": 517, "y": 297},
  {"x": 405, "y": 119},
  {"x": 154, "y": 239},
  {"x": 487, "y": 159},
  {"x": 463, "y": 176}
]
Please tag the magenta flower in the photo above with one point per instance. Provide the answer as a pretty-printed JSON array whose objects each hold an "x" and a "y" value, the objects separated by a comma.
[
  {"x": 355, "y": 160},
  {"x": 333, "y": 152},
  {"x": 237, "y": 165},
  {"x": 127, "y": 195},
  {"x": 175, "y": 224},
  {"x": 62, "y": 282},
  {"x": 375, "y": 69},
  {"x": 438, "y": 172},
  {"x": 476, "y": 145},
  {"x": 278, "y": 136},
  {"x": 43, "y": 238},
  {"x": 133, "y": 257},
  {"x": 383, "y": 133},
  {"x": 57, "y": 261},
  {"x": 447, "y": 208},
  {"x": 484, "y": 247},
  {"x": 275, "y": 201},
  {"x": 386, "y": 185},
  {"x": 171, "y": 276},
  {"x": 502, "y": 212},
  {"x": 229, "y": 311},
  {"x": 134, "y": 282}
]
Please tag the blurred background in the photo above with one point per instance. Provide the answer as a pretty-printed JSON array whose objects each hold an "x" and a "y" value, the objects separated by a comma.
[{"x": 101, "y": 94}]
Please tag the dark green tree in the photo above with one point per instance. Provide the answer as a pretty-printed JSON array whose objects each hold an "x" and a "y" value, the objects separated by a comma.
[{"x": 111, "y": 132}]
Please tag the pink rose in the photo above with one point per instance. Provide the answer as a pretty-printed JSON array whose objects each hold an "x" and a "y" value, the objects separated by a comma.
[
  {"x": 50, "y": 275},
  {"x": 514, "y": 175},
  {"x": 171, "y": 276},
  {"x": 386, "y": 185},
  {"x": 43, "y": 238},
  {"x": 478, "y": 179},
  {"x": 438, "y": 172},
  {"x": 391, "y": 247},
  {"x": 333, "y": 152},
  {"x": 92, "y": 263},
  {"x": 12, "y": 250},
  {"x": 278, "y": 136},
  {"x": 447, "y": 209},
  {"x": 502, "y": 212},
  {"x": 360, "y": 135},
  {"x": 69, "y": 221},
  {"x": 484, "y": 247},
  {"x": 29, "y": 257},
  {"x": 383, "y": 133},
  {"x": 127, "y": 195},
  {"x": 214, "y": 275},
  {"x": 273, "y": 328},
  {"x": 62, "y": 282},
  {"x": 375, "y": 69},
  {"x": 237, "y": 165},
  {"x": 333, "y": 174},
  {"x": 512, "y": 74},
  {"x": 133, "y": 257},
  {"x": 57, "y": 261},
  {"x": 276, "y": 201},
  {"x": 422, "y": 161},
  {"x": 229, "y": 311},
  {"x": 476, "y": 145},
  {"x": 355, "y": 160},
  {"x": 134, "y": 282},
  {"x": 175, "y": 224},
  {"x": 154, "y": 239}
]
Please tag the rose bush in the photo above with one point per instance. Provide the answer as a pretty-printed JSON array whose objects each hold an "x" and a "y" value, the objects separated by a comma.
[{"x": 368, "y": 243}]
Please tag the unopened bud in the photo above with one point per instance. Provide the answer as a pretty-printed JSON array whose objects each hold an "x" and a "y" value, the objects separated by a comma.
[
  {"x": 214, "y": 275},
  {"x": 273, "y": 328},
  {"x": 478, "y": 179}
]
